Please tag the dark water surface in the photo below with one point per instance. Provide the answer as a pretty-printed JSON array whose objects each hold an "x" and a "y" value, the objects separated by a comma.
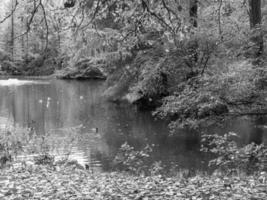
[{"x": 56, "y": 105}]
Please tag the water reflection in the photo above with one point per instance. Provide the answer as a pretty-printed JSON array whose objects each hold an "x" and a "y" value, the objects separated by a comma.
[{"x": 55, "y": 105}]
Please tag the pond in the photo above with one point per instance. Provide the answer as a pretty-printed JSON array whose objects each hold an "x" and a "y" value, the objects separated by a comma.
[{"x": 50, "y": 105}]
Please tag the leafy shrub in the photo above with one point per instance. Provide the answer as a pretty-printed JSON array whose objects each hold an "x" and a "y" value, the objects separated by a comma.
[
  {"x": 233, "y": 159},
  {"x": 44, "y": 159},
  {"x": 152, "y": 83},
  {"x": 193, "y": 103},
  {"x": 156, "y": 168},
  {"x": 238, "y": 83},
  {"x": 233, "y": 87},
  {"x": 11, "y": 144},
  {"x": 4, "y": 56},
  {"x": 20, "y": 145},
  {"x": 131, "y": 160},
  {"x": 130, "y": 77}
]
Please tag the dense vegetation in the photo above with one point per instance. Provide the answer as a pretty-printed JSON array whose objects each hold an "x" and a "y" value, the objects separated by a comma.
[
  {"x": 150, "y": 46},
  {"x": 45, "y": 177},
  {"x": 183, "y": 59},
  {"x": 190, "y": 62}
]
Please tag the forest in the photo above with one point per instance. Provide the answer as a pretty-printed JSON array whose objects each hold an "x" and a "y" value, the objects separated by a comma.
[{"x": 194, "y": 64}]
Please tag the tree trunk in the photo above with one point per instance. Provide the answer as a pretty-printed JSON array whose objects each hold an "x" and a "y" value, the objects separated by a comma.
[
  {"x": 255, "y": 25},
  {"x": 22, "y": 38},
  {"x": 27, "y": 41},
  {"x": 255, "y": 13},
  {"x": 12, "y": 31},
  {"x": 193, "y": 7},
  {"x": 193, "y": 12}
]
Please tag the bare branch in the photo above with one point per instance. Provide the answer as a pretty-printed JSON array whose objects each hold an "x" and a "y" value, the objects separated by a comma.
[
  {"x": 159, "y": 18},
  {"x": 30, "y": 20},
  {"x": 11, "y": 13},
  {"x": 46, "y": 24}
]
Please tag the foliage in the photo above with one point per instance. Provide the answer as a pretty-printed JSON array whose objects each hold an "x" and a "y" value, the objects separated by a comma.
[
  {"x": 44, "y": 159},
  {"x": 4, "y": 56},
  {"x": 132, "y": 160},
  {"x": 210, "y": 54},
  {"x": 213, "y": 94},
  {"x": 11, "y": 144},
  {"x": 190, "y": 104},
  {"x": 238, "y": 83},
  {"x": 19, "y": 145},
  {"x": 67, "y": 180},
  {"x": 230, "y": 158},
  {"x": 155, "y": 73},
  {"x": 84, "y": 69}
]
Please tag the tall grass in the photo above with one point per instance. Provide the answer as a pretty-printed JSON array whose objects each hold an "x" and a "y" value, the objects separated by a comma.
[{"x": 24, "y": 145}]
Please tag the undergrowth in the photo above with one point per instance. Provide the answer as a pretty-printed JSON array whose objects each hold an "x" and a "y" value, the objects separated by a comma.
[
  {"x": 45, "y": 178},
  {"x": 230, "y": 158},
  {"x": 201, "y": 99},
  {"x": 19, "y": 146}
]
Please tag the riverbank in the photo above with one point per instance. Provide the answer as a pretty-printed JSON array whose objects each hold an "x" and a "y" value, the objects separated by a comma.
[
  {"x": 190, "y": 96},
  {"x": 162, "y": 82},
  {"x": 31, "y": 65},
  {"x": 43, "y": 182},
  {"x": 49, "y": 77}
]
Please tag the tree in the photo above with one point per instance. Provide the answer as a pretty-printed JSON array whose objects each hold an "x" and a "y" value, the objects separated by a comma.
[
  {"x": 255, "y": 25},
  {"x": 12, "y": 30},
  {"x": 193, "y": 7},
  {"x": 255, "y": 13},
  {"x": 193, "y": 12}
]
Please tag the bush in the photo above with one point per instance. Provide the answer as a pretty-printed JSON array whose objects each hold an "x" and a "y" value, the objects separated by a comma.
[
  {"x": 201, "y": 99},
  {"x": 4, "y": 56},
  {"x": 238, "y": 83},
  {"x": 11, "y": 145},
  {"x": 192, "y": 104},
  {"x": 44, "y": 159},
  {"x": 10, "y": 67},
  {"x": 20, "y": 145},
  {"x": 131, "y": 160},
  {"x": 233, "y": 159}
]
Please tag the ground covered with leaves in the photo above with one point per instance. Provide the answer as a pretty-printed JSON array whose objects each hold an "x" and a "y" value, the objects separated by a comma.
[{"x": 43, "y": 182}]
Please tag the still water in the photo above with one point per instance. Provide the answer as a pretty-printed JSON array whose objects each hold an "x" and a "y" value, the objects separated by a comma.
[{"x": 52, "y": 106}]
